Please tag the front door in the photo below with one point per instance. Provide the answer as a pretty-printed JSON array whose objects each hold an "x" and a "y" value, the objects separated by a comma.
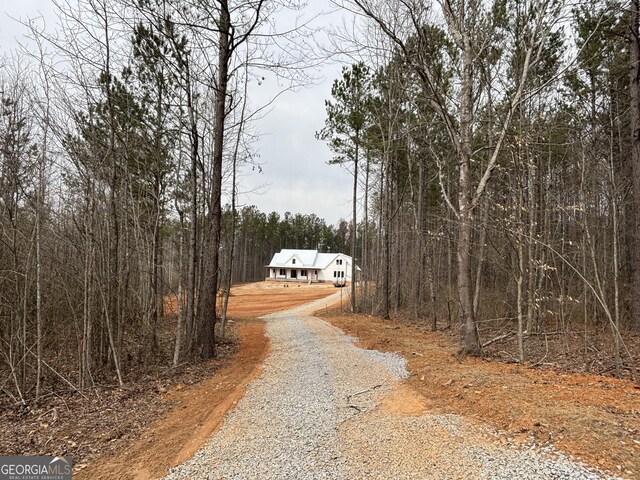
[{"x": 294, "y": 274}]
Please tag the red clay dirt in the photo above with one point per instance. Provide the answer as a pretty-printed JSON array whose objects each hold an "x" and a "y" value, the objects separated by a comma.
[
  {"x": 593, "y": 418},
  {"x": 196, "y": 414}
]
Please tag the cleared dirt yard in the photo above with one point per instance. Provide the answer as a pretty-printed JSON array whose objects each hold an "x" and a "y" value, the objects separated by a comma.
[{"x": 257, "y": 299}]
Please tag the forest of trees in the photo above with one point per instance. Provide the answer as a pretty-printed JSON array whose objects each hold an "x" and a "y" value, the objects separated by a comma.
[
  {"x": 121, "y": 134},
  {"x": 494, "y": 147}
]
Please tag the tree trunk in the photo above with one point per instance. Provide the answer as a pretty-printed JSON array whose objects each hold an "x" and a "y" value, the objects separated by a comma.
[
  {"x": 87, "y": 313},
  {"x": 154, "y": 283},
  {"x": 634, "y": 93},
  {"x": 469, "y": 331},
  {"x": 234, "y": 171},
  {"x": 387, "y": 245},
  {"x": 364, "y": 262},
  {"x": 192, "y": 260},
  {"x": 354, "y": 225},
  {"x": 479, "y": 267},
  {"x": 420, "y": 250},
  {"x": 521, "y": 271},
  {"x": 179, "y": 300},
  {"x": 207, "y": 312}
]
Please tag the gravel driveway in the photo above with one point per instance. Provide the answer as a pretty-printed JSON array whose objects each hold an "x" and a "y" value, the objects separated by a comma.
[{"x": 326, "y": 409}]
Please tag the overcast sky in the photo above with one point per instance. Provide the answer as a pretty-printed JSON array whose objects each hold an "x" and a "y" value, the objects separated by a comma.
[{"x": 294, "y": 174}]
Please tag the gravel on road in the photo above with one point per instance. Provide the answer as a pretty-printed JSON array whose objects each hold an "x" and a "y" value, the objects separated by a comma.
[{"x": 324, "y": 408}]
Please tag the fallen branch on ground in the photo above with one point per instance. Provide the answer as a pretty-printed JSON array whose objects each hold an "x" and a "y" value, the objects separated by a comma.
[
  {"x": 349, "y": 397},
  {"x": 497, "y": 339}
]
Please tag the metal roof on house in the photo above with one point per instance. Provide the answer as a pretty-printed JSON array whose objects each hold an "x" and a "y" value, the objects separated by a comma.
[
  {"x": 309, "y": 258},
  {"x": 323, "y": 260}
]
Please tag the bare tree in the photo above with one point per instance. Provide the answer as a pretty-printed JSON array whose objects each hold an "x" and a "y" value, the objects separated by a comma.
[{"x": 469, "y": 25}]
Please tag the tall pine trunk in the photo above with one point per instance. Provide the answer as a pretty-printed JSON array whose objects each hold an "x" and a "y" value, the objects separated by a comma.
[
  {"x": 207, "y": 311},
  {"x": 469, "y": 332},
  {"x": 634, "y": 93},
  {"x": 354, "y": 225}
]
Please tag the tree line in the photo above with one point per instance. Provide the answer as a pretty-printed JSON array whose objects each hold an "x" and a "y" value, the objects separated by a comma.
[
  {"x": 258, "y": 236},
  {"x": 494, "y": 153}
]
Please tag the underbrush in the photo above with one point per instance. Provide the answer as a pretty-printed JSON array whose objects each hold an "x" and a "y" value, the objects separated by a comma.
[{"x": 82, "y": 423}]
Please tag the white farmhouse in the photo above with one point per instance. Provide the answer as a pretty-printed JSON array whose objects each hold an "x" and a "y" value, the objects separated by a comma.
[{"x": 309, "y": 266}]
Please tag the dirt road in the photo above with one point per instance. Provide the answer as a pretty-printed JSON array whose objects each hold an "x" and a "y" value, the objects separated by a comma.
[
  {"x": 317, "y": 406},
  {"x": 198, "y": 410},
  {"x": 593, "y": 418},
  {"x": 325, "y": 408}
]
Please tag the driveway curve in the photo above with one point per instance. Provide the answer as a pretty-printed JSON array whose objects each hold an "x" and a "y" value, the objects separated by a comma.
[{"x": 324, "y": 408}]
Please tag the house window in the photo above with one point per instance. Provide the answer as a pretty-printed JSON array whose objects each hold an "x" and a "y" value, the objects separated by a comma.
[
  {"x": 303, "y": 273},
  {"x": 339, "y": 262},
  {"x": 293, "y": 261},
  {"x": 342, "y": 274},
  {"x": 282, "y": 272},
  {"x": 335, "y": 274}
]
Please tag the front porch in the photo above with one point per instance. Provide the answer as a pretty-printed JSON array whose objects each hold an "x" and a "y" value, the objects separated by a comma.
[{"x": 291, "y": 274}]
